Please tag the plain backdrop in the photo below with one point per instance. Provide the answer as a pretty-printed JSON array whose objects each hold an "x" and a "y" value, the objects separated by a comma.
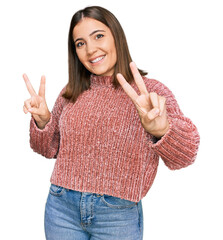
[{"x": 179, "y": 43}]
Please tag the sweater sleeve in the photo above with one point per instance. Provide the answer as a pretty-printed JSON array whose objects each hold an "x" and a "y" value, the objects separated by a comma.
[
  {"x": 46, "y": 141},
  {"x": 178, "y": 147}
]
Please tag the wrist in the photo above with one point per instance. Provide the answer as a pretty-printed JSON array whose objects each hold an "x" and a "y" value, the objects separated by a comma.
[
  {"x": 159, "y": 134},
  {"x": 41, "y": 124}
]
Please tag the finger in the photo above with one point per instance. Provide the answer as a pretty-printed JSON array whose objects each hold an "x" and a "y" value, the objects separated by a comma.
[
  {"x": 151, "y": 115},
  {"x": 27, "y": 104},
  {"x": 42, "y": 87},
  {"x": 29, "y": 85},
  {"x": 154, "y": 99},
  {"x": 138, "y": 78},
  {"x": 25, "y": 110},
  {"x": 127, "y": 87},
  {"x": 162, "y": 104}
]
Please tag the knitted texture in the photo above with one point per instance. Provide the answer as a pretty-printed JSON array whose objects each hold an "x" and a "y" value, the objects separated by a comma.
[{"x": 101, "y": 146}]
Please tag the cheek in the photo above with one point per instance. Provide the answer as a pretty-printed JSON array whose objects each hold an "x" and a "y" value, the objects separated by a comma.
[
  {"x": 114, "y": 54},
  {"x": 113, "y": 50},
  {"x": 80, "y": 56},
  {"x": 109, "y": 47}
]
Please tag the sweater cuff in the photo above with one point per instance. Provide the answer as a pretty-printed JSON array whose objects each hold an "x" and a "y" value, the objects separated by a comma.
[
  {"x": 37, "y": 129},
  {"x": 44, "y": 141},
  {"x": 178, "y": 147}
]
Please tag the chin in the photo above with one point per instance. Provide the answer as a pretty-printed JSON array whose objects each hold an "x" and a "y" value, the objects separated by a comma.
[
  {"x": 99, "y": 73},
  {"x": 104, "y": 73},
  {"x": 101, "y": 70}
]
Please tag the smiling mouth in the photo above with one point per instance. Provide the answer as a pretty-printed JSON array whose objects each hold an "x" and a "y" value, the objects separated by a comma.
[{"x": 97, "y": 59}]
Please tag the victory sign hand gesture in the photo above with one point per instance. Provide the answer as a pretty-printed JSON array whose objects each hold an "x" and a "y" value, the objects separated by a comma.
[
  {"x": 36, "y": 105},
  {"x": 150, "y": 106}
]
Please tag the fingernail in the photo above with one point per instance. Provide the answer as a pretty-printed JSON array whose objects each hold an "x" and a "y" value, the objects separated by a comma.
[{"x": 157, "y": 112}]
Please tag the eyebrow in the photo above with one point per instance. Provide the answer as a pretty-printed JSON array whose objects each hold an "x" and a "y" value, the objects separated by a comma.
[{"x": 89, "y": 35}]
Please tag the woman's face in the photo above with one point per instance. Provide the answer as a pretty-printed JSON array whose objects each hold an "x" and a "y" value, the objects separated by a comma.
[{"x": 95, "y": 46}]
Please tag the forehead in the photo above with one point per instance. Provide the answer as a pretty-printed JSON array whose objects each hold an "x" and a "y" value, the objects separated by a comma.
[{"x": 86, "y": 26}]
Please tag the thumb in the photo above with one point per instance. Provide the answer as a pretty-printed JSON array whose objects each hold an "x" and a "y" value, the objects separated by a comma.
[
  {"x": 34, "y": 110},
  {"x": 153, "y": 114}
]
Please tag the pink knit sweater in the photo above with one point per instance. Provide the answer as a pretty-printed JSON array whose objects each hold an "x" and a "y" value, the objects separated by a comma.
[{"x": 101, "y": 146}]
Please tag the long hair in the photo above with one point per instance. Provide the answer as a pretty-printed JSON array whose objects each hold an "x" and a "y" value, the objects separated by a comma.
[{"x": 79, "y": 76}]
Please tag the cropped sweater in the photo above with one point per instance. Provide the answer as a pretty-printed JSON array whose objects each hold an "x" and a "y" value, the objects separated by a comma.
[{"x": 101, "y": 147}]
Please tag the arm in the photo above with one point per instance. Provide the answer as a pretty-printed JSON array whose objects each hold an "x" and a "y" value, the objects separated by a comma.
[
  {"x": 176, "y": 138},
  {"x": 46, "y": 141},
  {"x": 178, "y": 147},
  {"x": 44, "y": 126}
]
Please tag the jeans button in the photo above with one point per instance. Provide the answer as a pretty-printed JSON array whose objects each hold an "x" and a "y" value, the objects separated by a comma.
[{"x": 99, "y": 195}]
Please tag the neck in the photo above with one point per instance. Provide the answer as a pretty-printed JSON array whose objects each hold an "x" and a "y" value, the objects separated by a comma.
[{"x": 97, "y": 80}]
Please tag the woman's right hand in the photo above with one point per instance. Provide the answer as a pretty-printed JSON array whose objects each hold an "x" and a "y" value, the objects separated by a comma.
[{"x": 36, "y": 105}]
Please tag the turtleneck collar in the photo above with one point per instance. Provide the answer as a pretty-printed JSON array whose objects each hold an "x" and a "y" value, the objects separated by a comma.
[{"x": 105, "y": 81}]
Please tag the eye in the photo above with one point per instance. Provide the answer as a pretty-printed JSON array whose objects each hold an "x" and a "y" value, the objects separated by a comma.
[
  {"x": 99, "y": 36},
  {"x": 79, "y": 44}
]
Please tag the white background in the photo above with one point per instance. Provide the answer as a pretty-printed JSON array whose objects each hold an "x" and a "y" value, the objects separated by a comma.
[{"x": 179, "y": 43}]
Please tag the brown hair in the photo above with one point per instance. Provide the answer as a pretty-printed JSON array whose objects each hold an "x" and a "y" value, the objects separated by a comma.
[{"x": 79, "y": 76}]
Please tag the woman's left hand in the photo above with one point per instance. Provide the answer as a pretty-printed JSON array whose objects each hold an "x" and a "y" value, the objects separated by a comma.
[{"x": 151, "y": 107}]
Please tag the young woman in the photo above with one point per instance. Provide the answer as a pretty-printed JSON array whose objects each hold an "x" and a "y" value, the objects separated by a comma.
[{"x": 107, "y": 129}]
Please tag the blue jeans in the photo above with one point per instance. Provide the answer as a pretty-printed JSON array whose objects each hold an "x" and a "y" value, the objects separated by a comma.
[{"x": 73, "y": 215}]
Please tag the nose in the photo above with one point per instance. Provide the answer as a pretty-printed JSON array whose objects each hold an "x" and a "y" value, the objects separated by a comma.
[{"x": 91, "y": 48}]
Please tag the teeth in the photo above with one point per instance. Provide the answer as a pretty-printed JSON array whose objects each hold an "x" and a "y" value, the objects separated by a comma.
[{"x": 97, "y": 59}]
